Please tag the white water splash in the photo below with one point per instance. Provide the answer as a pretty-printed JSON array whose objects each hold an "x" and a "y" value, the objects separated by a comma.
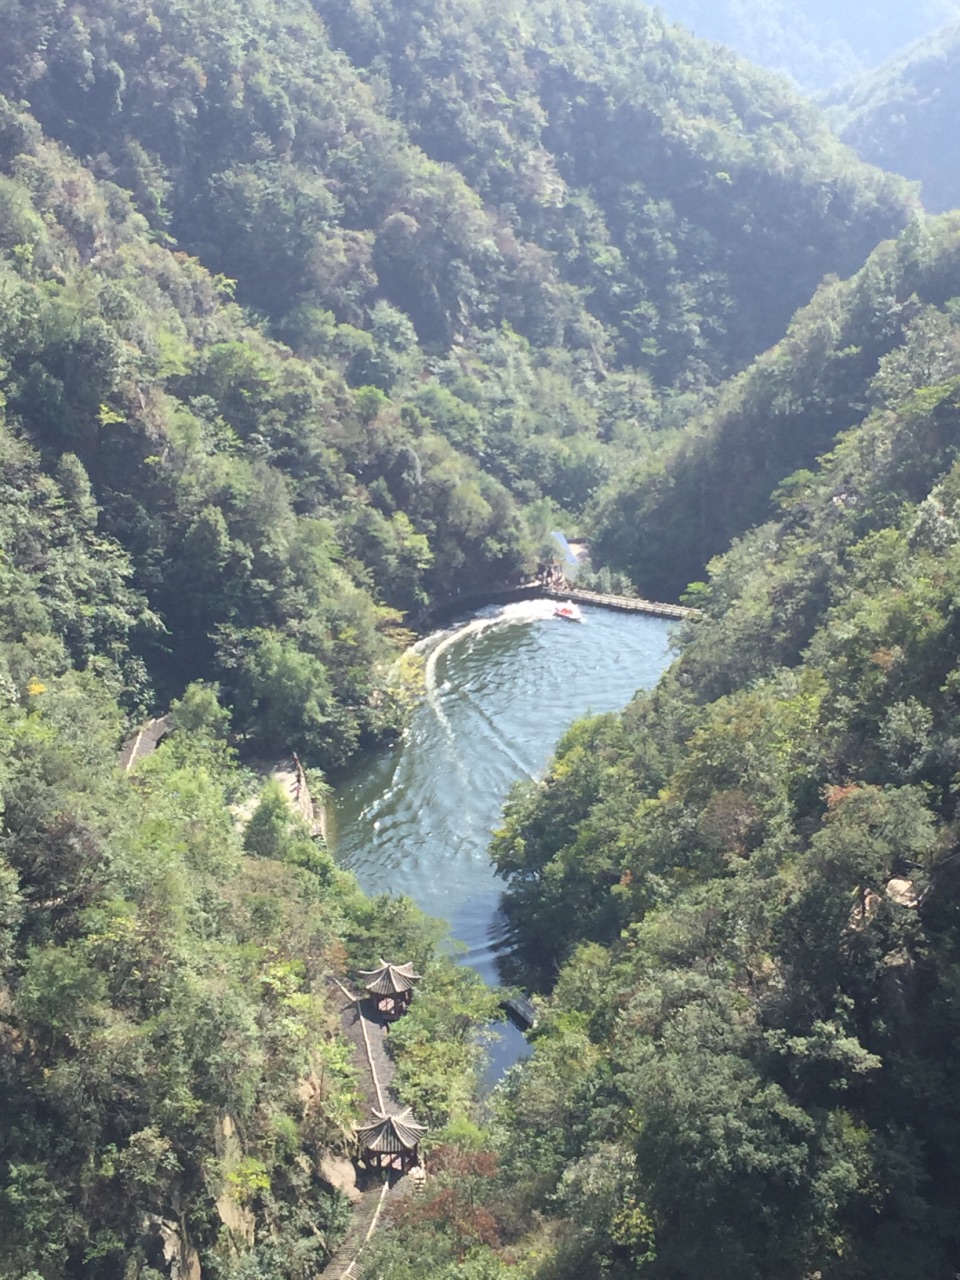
[
  {"x": 436, "y": 645},
  {"x": 527, "y": 610},
  {"x": 446, "y": 639}
]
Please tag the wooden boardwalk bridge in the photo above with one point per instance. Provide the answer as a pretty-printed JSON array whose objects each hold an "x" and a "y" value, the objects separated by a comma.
[
  {"x": 466, "y": 601},
  {"x": 625, "y": 604}
]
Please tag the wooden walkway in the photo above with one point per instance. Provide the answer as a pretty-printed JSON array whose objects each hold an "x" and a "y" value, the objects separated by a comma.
[
  {"x": 467, "y": 601},
  {"x": 625, "y": 604}
]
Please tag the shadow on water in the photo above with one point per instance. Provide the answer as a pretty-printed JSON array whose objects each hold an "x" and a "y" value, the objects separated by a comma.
[{"x": 501, "y": 688}]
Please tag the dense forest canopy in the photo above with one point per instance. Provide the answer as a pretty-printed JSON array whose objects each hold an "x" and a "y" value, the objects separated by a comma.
[
  {"x": 902, "y": 116},
  {"x": 313, "y": 315},
  {"x": 171, "y": 1076},
  {"x": 583, "y": 173},
  {"x": 276, "y": 523},
  {"x": 502, "y": 249}
]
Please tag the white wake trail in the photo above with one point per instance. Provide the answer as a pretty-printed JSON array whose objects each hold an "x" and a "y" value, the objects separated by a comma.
[
  {"x": 436, "y": 653},
  {"x": 518, "y": 612}
]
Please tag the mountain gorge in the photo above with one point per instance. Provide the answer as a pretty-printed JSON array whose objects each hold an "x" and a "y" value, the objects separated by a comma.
[
  {"x": 459, "y": 344},
  {"x": 760, "y": 968},
  {"x": 315, "y": 315}
]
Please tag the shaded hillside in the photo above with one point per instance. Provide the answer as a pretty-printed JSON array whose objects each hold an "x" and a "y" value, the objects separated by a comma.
[
  {"x": 272, "y": 524},
  {"x": 643, "y": 160},
  {"x": 491, "y": 299},
  {"x": 686, "y": 500},
  {"x": 903, "y": 117},
  {"x": 307, "y": 320}
]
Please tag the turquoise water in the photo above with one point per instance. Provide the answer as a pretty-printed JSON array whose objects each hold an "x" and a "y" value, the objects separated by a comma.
[{"x": 501, "y": 689}]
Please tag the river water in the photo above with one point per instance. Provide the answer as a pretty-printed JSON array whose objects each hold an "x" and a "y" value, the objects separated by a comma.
[{"x": 501, "y": 688}]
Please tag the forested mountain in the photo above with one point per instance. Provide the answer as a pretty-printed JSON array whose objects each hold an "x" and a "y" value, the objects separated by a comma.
[
  {"x": 583, "y": 173},
  {"x": 684, "y": 501},
  {"x": 815, "y": 42},
  {"x": 506, "y": 245},
  {"x": 235, "y": 477},
  {"x": 312, "y": 315},
  {"x": 180, "y": 496},
  {"x": 742, "y": 895},
  {"x": 902, "y": 117}
]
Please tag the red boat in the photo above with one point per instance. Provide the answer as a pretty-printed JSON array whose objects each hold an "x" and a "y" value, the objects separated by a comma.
[{"x": 567, "y": 610}]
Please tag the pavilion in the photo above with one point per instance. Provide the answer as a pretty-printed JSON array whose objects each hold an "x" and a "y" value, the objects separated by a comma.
[
  {"x": 391, "y": 1142},
  {"x": 391, "y": 987}
]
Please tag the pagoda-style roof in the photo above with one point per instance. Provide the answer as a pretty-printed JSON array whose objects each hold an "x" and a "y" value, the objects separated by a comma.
[
  {"x": 391, "y": 1135},
  {"x": 390, "y": 979}
]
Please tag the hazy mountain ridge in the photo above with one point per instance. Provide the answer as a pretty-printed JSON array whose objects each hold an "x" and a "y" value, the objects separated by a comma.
[
  {"x": 818, "y": 44},
  {"x": 515, "y": 341},
  {"x": 902, "y": 117},
  {"x": 254, "y": 125}
]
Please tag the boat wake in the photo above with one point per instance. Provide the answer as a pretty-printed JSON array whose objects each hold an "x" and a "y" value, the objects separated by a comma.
[
  {"x": 435, "y": 646},
  {"x": 526, "y": 610},
  {"x": 438, "y": 646},
  {"x": 497, "y": 692}
]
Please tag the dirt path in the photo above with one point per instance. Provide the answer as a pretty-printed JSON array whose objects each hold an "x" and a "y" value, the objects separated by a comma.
[{"x": 289, "y": 774}]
